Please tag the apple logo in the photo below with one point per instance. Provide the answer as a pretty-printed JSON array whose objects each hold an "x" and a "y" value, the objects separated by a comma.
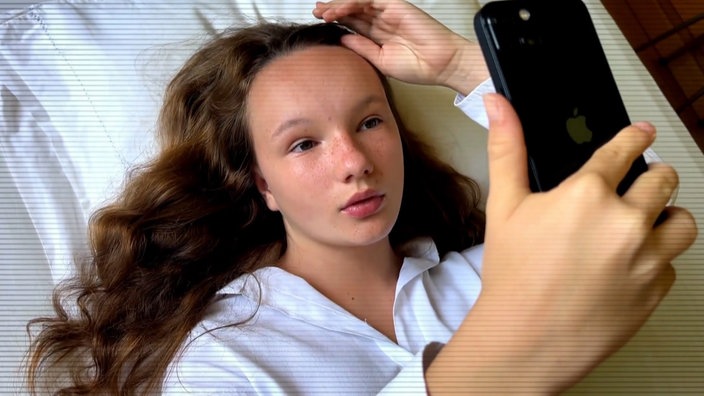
[{"x": 578, "y": 129}]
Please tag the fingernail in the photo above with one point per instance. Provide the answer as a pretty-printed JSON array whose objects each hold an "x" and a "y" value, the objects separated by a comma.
[
  {"x": 645, "y": 127},
  {"x": 493, "y": 108}
]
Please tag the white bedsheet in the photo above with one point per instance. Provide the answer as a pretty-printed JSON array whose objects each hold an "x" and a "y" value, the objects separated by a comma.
[{"x": 80, "y": 83}]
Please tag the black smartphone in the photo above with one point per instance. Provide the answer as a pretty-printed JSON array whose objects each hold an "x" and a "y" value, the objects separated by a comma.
[{"x": 546, "y": 58}]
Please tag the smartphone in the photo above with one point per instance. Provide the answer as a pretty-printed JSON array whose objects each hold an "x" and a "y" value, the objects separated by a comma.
[{"x": 546, "y": 58}]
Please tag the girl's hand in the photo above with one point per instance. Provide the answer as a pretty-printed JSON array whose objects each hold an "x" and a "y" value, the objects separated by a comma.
[
  {"x": 569, "y": 275},
  {"x": 406, "y": 43}
]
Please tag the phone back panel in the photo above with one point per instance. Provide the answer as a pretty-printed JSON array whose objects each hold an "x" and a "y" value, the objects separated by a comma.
[{"x": 546, "y": 58}]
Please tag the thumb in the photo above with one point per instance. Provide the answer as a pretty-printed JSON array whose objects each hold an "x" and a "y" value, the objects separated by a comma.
[{"x": 508, "y": 161}]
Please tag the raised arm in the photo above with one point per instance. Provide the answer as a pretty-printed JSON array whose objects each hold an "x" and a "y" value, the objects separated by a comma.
[
  {"x": 406, "y": 43},
  {"x": 569, "y": 276}
]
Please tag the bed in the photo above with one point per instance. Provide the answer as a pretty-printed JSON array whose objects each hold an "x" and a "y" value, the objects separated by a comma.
[{"x": 80, "y": 85}]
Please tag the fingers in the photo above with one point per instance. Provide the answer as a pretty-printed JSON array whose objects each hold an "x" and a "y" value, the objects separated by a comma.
[
  {"x": 660, "y": 286},
  {"x": 613, "y": 160},
  {"x": 508, "y": 169},
  {"x": 335, "y": 10},
  {"x": 358, "y": 15},
  {"x": 653, "y": 190},
  {"x": 359, "y": 24},
  {"x": 672, "y": 237},
  {"x": 366, "y": 48}
]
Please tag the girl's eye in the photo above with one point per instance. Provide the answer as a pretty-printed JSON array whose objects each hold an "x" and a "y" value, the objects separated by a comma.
[
  {"x": 303, "y": 145},
  {"x": 370, "y": 123}
]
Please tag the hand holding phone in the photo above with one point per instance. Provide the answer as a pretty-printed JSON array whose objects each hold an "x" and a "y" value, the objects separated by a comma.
[{"x": 546, "y": 58}]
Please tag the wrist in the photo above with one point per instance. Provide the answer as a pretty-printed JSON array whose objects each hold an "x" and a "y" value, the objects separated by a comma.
[
  {"x": 468, "y": 68},
  {"x": 494, "y": 351}
]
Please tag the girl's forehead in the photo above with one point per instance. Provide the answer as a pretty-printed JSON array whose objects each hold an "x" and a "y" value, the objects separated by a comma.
[
  {"x": 318, "y": 71},
  {"x": 313, "y": 86},
  {"x": 318, "y": 60}
]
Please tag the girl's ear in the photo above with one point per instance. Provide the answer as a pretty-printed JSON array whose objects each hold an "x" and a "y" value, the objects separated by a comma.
[{"x": 263, "y": 188}]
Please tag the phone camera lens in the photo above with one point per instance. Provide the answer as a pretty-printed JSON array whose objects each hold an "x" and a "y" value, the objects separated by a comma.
[{"x": 524, "y": 14}]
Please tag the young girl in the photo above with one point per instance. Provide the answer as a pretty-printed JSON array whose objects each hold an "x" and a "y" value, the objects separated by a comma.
[{"x": 292, "y": 237}]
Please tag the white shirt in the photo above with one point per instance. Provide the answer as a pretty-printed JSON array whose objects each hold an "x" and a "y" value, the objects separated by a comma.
[{"x": 300, "y": 342}]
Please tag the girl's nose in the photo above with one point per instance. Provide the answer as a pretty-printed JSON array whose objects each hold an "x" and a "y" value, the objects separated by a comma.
[{"x": 353, "y": 158}]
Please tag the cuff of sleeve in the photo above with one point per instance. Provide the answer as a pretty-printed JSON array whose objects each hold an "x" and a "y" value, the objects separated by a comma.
[
  {"x": 473, "y": 105},
  {"x": 411, "y": 379},
  {"x": 651, "y": 156}
]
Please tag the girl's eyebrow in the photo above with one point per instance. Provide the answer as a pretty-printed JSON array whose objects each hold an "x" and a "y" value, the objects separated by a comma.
[
  {"x": 295, "y": 122},
  {"x": 288, "y": 124}
]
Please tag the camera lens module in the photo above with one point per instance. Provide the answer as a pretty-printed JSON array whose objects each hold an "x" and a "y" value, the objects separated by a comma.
[{"x": 524, "y": 14}]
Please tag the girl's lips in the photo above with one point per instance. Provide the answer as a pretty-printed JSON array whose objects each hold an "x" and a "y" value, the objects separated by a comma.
[
  {"x": 363, "y": 204},
  {"x": 364, "y": 208}
]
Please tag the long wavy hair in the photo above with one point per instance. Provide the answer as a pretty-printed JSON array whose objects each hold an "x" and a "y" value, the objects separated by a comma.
[{"x": 192, "y": 220}]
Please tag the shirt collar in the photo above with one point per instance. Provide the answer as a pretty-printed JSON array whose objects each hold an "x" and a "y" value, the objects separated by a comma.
[
  {"x": 292, "y": 295},
  {"x": 420, "y": 255}
]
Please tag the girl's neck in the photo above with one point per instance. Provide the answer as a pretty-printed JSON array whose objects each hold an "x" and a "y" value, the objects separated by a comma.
[
  {"x": 346, "y": 267},
  {"x": 361, "y": 280}
]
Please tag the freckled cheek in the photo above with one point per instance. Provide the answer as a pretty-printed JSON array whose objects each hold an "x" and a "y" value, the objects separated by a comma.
[
  {"x": 310, "y": 175},
  {"x": 309, "y": 194}
]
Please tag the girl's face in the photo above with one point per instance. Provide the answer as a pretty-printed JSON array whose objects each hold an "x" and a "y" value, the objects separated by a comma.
[{"x": 328, "y": 148}]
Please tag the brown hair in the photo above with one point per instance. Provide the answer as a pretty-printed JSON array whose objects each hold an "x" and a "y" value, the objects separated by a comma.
[{"x": 192, "y": 220}]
